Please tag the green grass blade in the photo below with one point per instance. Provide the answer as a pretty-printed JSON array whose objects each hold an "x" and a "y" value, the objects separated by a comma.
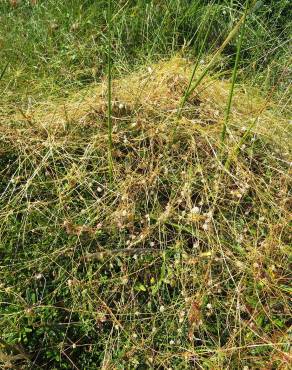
[
  {"x": 4, "y": 70},
  {"x": 109, "y": 95},
  {"x": 234, "y": 75},
  {"x": 186, "y": 94},
  {"x": 212, "y": 62}
]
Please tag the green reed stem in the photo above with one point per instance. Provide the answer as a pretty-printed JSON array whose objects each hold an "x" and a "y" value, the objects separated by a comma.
[
  {"x": 234, "y": 75},
  {"x": 109, "y": 95}
]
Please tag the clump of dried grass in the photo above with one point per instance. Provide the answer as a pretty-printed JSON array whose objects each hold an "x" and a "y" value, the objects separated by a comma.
[{"x": 189, "y": 256}]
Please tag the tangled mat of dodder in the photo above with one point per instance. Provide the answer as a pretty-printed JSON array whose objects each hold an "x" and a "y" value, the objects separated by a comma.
[{"x": 180, "y": 261}]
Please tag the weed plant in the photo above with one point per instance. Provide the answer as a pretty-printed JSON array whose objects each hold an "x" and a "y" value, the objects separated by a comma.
[{"x": 130, "y": 237}]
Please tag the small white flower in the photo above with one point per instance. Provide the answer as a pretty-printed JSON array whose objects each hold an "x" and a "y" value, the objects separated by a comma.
[
  {"x": 195, "y": 210},
  {"x": 209, "y": 306},
  {"x": 161, "y": 308},
  {"x": 134, "y": 335},
  {"x": 239, "y": 264},
  {"x": 205, "y": 226},
  {"x": 209, "y": 214},
  {"x": 74, "y": 345},
  {"x": 69, "y": 282},
  {"x": 171, "y": 342},
  {"x": 182, "y": 314},
  {"x": 196, "y": 244},
  {"x": 152, "y": 244},
  {"x": 240, "y": 238},
  {"x": 99, "y": 189},
  {"x": 149, "y": 69}
]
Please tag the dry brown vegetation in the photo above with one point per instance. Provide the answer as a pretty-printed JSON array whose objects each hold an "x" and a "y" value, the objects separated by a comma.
[{"x": 180, "y": 261}]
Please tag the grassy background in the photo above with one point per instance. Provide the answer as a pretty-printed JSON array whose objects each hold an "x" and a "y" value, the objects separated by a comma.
[
  {"x": 53, "y": 47},
  {"x": 213, "y": 293}
]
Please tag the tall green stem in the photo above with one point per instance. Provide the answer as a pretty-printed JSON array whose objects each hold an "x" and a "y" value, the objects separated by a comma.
[
  {"x": 234, "y": 75},
  {"x": 186, "y": 94},
  {"x": 213, "y": 60},
  {"x": 109, "y": 95}
]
